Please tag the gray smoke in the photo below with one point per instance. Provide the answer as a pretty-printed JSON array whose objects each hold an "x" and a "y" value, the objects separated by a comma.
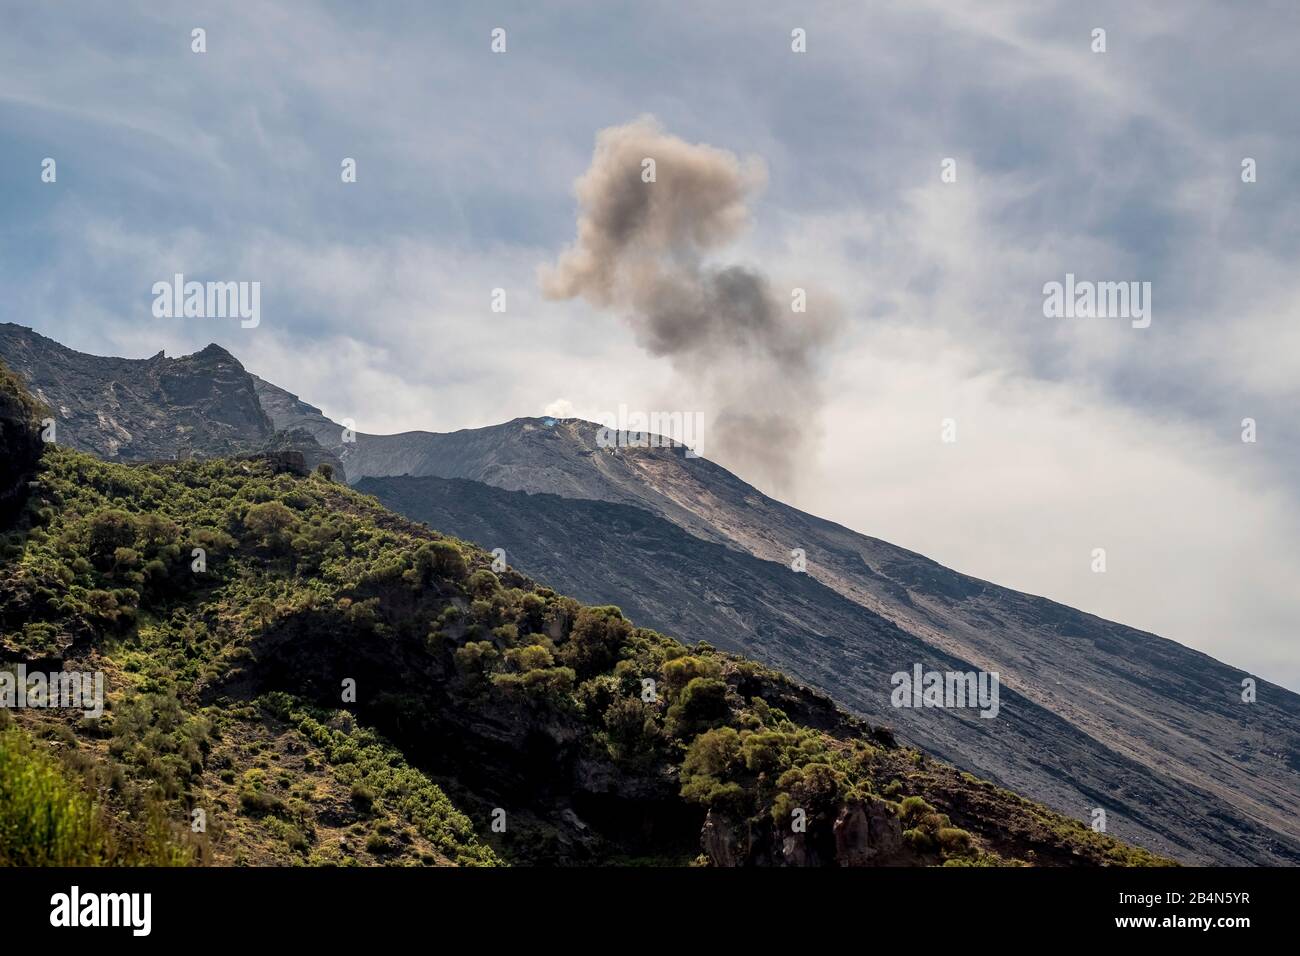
[{"x": 642, "y": 251}]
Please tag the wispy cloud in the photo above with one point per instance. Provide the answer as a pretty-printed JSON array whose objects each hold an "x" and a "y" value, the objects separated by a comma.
[{"x": 1122, "y": 165}]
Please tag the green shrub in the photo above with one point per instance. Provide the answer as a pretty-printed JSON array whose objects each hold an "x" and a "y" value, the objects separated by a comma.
[
  {"x": 631, "y": 726},
  {"x": 817, "y": 788},
  {"x": 918, "y": 840},
  {"x": 702, "y": 704},
  {"x": 544, "y": 683},
  {"x": 440, "y": 559},
  {"x": 712, "y": 761},
  {"x": 483, "y": 583},
  {"x": 533, "y": 657},
  {"x": 597, "y": 637},
  {"x": 363, "y": 798},
  {"x": 912, "y": 809},
  {"x": 259, "y": 803},
  {"x": 953, "y": 841},
  {"x": 476, "y": 660},
  {"x": 680, "y": 671},
  {"x": 45, "y": 820},
  {"x": 270, "y": 523},
  {"x": 107, "y": 531}
]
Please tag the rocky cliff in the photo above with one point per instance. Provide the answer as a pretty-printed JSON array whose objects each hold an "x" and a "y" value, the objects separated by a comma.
[{"x": 203, "y": 405}]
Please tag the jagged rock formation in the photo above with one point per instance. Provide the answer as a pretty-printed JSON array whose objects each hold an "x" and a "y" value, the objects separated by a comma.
[
  {"x": 203, "y": 405},
  {"x": 141, "y": 409}
]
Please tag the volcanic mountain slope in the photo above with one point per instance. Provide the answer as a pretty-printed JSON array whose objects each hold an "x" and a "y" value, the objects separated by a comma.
[
  {"x": 1141, "y": 698},
  {"x": 1118, "y": 698},
  {"x": 664, "y": 575},
  {"x": 334, "y": 684}
]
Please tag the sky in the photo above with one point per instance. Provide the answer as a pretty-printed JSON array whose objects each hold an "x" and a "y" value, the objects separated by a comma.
[{"x": 1072, "y": 434}]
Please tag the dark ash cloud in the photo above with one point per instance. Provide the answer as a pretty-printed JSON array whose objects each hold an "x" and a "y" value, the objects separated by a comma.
[{"x": 643, "y": 250}]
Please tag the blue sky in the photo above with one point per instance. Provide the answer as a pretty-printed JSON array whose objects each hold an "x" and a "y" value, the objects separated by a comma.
[{"x": 1072, "y": 435}]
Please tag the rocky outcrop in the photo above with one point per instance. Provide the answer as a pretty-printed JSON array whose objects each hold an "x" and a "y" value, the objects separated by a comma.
[
  {"x": 864, "y": 833},
  {"x": 301, "y": 446},
  {"x": 867, "y": 833},
  {"x": 722, "y": 844},
  {"x": 204, "y": 405},
  {"x": 200, "y": 405}
]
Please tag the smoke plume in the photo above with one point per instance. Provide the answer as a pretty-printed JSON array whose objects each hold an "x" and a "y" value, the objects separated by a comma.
[{"x": 644, "y": 250}]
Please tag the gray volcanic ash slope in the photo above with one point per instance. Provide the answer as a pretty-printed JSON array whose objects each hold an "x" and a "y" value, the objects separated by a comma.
[{"x": 677, "y": 582}]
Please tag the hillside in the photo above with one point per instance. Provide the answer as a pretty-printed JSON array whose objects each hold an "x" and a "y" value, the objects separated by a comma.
[
  {"x": 1096, "y": 714},
  {"x": 603, "y": 552},
  {"x": 1157, "y": 733},
  {"x": 476, "y": 695}
]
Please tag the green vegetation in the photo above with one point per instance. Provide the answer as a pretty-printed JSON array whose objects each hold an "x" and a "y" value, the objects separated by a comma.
[
  {"x": 230, "y": 604},
  {"x": 379, "y": 774},
  {"x": 45, "y": 819},
  {"x": 48, "y": 817}
]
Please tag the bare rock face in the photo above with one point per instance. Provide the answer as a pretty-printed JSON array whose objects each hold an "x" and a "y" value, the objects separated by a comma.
[
  {"x": 867, "y": 835},
  {"x": 861, "y": 834},
  {"x": 722, "y": 844},
  {"x": 200, "y": 405},
  {"x": 203, "y": 405},
  {"x": 796, "y": 851},
  {"x": 853, "y": 844}
]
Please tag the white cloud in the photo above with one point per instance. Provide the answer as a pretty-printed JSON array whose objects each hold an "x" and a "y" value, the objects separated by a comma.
[
  {"x": 1199, "y": 541},
  {"x": 1072, "y": 435}
]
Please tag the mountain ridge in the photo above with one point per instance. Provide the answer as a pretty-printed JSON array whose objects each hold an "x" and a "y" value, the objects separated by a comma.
[
  {"x": 1137, "y": 696},
  {"x": 483, "y": 718}
]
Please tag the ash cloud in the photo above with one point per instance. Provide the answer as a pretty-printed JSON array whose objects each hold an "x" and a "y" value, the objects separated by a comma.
[{"x": 646, "y": 250}]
